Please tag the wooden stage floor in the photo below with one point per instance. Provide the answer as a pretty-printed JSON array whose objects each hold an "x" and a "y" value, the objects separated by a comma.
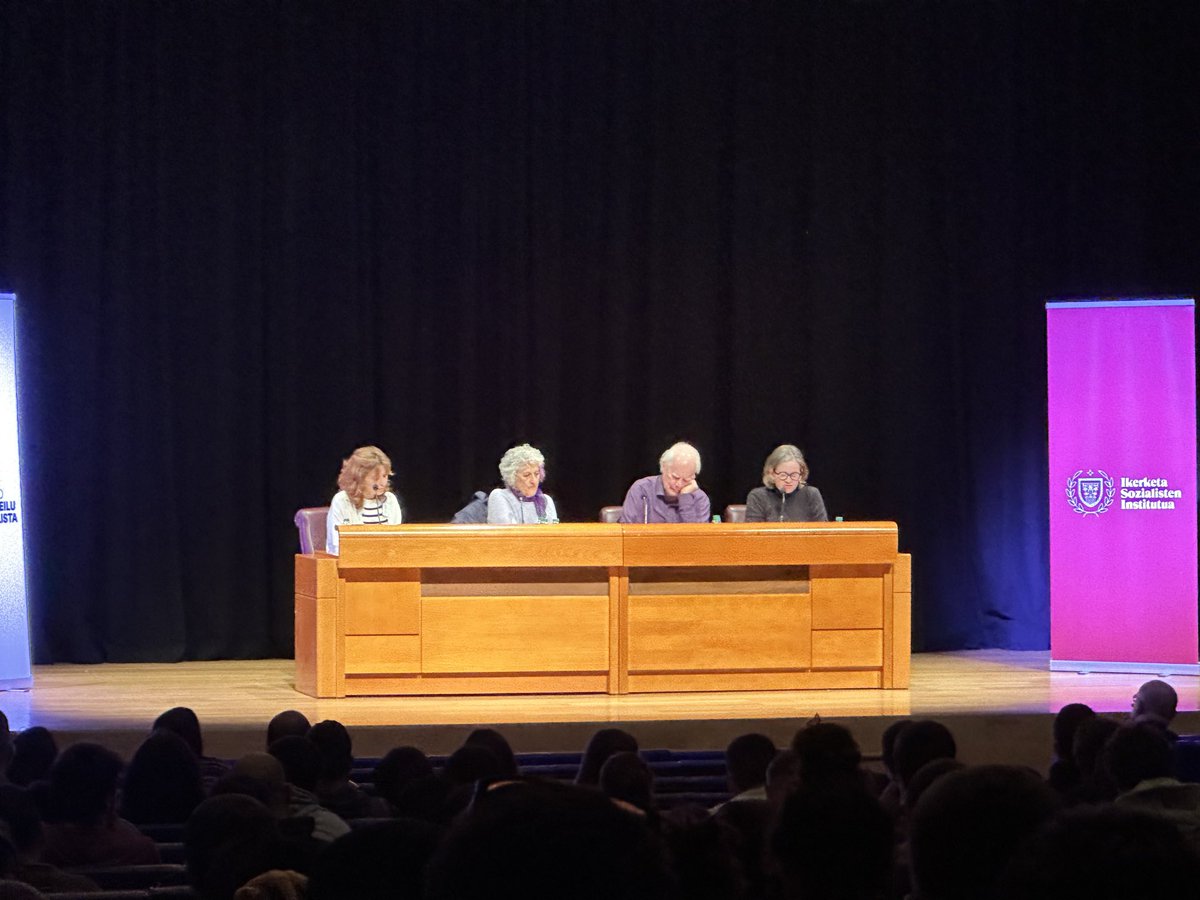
[{"x": 999, "y": 704}]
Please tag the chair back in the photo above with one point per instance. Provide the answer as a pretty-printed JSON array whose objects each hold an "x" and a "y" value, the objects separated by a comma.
[
  {"x": 610, "y": 515},
  {"x": 735, "y": 512},
  {"x": 310, "y": 522}
]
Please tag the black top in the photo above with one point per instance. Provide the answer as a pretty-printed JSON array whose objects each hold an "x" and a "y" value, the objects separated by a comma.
[{"x": 768, "y": 504}]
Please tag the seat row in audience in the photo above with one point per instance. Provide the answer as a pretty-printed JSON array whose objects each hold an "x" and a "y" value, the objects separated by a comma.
[{"x": 810, "y": 820}]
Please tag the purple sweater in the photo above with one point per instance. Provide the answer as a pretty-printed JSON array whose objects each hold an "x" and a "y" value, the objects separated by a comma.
[{"x": 646, "y": 501}]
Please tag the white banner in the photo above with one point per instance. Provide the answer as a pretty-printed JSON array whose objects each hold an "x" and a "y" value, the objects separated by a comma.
[{"x": 14, "y": 619}]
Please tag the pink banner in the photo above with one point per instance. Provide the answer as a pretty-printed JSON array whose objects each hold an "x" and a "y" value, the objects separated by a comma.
[{"x": 1122, "y": 410}]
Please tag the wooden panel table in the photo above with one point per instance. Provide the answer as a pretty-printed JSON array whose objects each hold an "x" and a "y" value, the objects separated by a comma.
[{"x": 592, "y": 608}]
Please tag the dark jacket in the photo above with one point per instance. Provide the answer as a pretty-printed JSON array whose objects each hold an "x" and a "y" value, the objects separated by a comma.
[{"x": 768, "y": 504}]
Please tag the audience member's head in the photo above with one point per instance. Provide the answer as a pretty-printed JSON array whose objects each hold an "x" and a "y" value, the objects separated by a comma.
[
  {"x": 833, "y": 842},
  {"x": 702, "y": 854},
  {"x": 1155, "y": 698},
  {"x": 332, "y": 741},
  {"x": 539, "y": 841},
  {"x": 34, "y": 752},
  {"x": 1135, "y": 753},
  {"x": 384, "y": 861},
  {"x": 19, "y": 813},
  {"x": 7, "y": 752},
  {"x": 184, "y": 723},
  {"x": 301, "y": 761},
  {"x": 604, "y": 743},
  {"x": 83, "y": 784},
  {"x": 227, "y": 841},
  {"x": 968, "y": 825},
  {"x": 289, "y": 723},
  {"x": 918, "y": 743},
  {"x": 887, "y": 744},
  {"x": 9, "y": 860},
  {"x": 253, "y": 788},
  {"x": 401, "y": 767},
  {"x": 1066, "y": 723},
  {"x": 257, "y": 775},
  {"x": 471, "y": 763},
  {"x": 1090, "y": 738},
  {"x": 491, "y": 739},
  {"x": 429, "y": 799},
  {"x": 782, "y": 775},
  {"x": 162, "y": 783},
  {"x": 11, "y": 889},
  {"x": 746, "y": 761},
  {"x": 927, "y": 776},
  {"x": 825, "y": 753},
  {"x": 748, "y": 822},
  {"x": 1104, "y": 853},
  {"x": 625, "y": 776}
]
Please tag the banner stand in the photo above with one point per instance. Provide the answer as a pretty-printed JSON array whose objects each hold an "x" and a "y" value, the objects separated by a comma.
[
  {"x": 15, "y": 671},
  {"x": 1121, "y": 385}
]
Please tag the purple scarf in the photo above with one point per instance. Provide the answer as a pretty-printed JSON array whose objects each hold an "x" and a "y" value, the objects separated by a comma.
[{"x": 538, "y": 500}]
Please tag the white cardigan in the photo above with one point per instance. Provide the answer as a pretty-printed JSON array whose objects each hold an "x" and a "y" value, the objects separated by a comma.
[{"x": 505, "y": 509}]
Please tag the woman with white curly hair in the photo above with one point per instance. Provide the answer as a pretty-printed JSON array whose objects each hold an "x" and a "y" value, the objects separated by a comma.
[
  {"x": 364, "y": 498},
  {"x": 521, "y": 501}
]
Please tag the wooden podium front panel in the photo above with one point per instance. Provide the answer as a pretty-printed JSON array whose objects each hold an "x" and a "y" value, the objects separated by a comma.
[
  {"x": 416, "y": 609},
  {"x": 479, "y": 546},
  {"x": 514, "y": 634},
  {"x": 384, "y": 605},
  {"x": 847, "y": 596},
  {"x": 319, "y": 660},
  {"x": 716, "y": 632},
  {"x": 692, "y": 620},
  {"x": 760, "y": 544},
  {"x": 849, "y": 649},
  {"x": 383, "y": 654},
  {"x": 901, "y": 628}
]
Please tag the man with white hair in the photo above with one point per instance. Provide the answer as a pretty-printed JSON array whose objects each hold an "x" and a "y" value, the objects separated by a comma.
[{"x": 671, "y": 496}]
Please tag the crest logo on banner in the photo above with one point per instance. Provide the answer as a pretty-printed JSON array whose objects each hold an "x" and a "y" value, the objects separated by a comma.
[{"x": 1090, "y": 494}]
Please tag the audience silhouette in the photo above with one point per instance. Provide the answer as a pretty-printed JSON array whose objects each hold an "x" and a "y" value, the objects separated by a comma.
[{"x": 813, "y": 821}]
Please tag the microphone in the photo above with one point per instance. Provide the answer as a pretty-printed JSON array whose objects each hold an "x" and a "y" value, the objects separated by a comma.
[{"x": 645, "y": 510}]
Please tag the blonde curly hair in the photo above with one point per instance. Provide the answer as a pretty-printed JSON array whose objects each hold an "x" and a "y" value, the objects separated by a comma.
[{"x": 357, "y": 467}]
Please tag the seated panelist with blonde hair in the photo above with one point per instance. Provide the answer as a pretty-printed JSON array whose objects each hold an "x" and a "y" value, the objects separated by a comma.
[
  {"x": 671, "y": 496},
  {"x": 364, "y": 498},
  {"x": 521, "y": 501},
  {"x": 786, "y": 495}
]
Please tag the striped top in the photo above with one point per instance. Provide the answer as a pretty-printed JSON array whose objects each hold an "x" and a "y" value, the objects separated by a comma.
[{"x": 383, "y": 510}]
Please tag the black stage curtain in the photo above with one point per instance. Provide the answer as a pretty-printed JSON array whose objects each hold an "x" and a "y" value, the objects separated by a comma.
[{"x": 249, "y": 236}]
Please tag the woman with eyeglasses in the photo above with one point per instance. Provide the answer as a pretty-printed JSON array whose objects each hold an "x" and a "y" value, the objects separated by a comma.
[
  {"x": 364, "y": 498},
  {"x": 786, "y": 495}
]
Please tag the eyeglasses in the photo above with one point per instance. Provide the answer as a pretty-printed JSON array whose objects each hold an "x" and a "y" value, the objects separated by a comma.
[{"x": 786, "y": 476}]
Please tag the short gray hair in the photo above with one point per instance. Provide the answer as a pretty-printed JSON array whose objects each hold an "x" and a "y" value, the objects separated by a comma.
[
  {"x": 676, "y": 452},
  {"x": 517, "y": 458},
  {"x": 780, "y": 455}
]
